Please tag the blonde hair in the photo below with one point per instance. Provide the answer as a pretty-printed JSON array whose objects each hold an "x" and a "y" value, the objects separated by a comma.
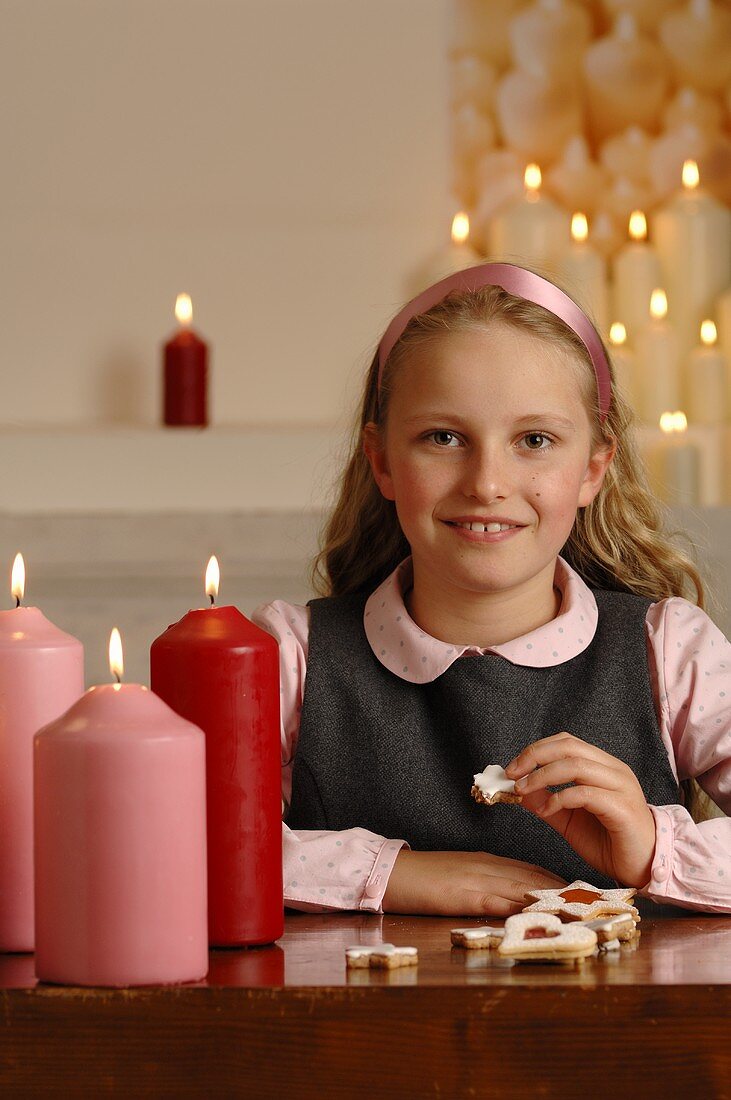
[{"x": 617, "y": 542}]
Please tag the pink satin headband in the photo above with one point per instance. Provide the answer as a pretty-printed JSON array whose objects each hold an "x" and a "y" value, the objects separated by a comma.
[{"x": 522, "y": 283}]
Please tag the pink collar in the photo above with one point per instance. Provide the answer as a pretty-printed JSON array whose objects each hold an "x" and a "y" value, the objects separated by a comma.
[{"x": 404, "y": 649}]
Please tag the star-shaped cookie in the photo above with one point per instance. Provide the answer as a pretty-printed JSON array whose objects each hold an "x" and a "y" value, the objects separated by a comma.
[{"x": 582, "y": 901}]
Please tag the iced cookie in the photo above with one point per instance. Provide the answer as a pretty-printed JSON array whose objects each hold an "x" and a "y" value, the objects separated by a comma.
[
  {"x": 477, "y": 939},
  {"x": 492, "y": 785},
  {"x": 542, "y": 937},
  {"x": 579, "y": 901},
  {"x": 384, "y": 956},
  {"x": 611, "y": 931}
]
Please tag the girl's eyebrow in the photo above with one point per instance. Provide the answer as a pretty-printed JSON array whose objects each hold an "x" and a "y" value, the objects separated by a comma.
[{"x": 533, "y": 419}]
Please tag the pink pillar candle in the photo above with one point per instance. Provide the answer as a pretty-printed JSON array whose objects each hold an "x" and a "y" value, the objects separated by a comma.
[
  {"x": 120, "y": 843},
  {"x": 41, "y": 674}
]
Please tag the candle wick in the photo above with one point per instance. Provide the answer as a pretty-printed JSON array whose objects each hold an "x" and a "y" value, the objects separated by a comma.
[
  {"x": 212, "y": 598},
  {"x": 17, "y": 601},
  {"x": 117, "y": 678}
]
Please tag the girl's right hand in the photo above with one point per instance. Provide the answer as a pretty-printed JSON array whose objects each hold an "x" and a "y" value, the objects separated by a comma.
[{"x": 466, "y": 884}]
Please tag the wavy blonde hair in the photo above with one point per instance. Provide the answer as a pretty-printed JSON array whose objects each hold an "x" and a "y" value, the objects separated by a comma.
[{"x": 618, "y": 541}]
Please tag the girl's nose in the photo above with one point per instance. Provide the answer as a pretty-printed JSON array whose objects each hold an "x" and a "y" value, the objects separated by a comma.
[{"x": 486, "y": 475}]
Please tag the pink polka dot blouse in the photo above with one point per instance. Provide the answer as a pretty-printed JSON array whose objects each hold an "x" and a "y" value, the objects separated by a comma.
[{"x": 690, "y": 668}]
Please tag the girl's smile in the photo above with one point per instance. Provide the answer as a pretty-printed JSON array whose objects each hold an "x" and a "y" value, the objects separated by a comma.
[{"x": 487, "y": 456}]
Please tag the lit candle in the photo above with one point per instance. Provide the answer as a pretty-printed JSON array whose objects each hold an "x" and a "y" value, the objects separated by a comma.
[
  {"x": 584, "y": 273},
  {"x": 692, "y": 235},
  {"x": 41, "y": 674},
  {"x": 221, "y": 671},
  {"x": 706, "y": 381},
  {"x": 458, "y": 255},
  {"x": 185, "y": 372},
  {"x": 532, "y": 230},
  {"x": 624, "y": 361},
  {"x": 677, "y": 462},
  {"x": 659, "y": 359},
  {"x": 120, "y": 835},
  {"x": 636, "y": 271}
]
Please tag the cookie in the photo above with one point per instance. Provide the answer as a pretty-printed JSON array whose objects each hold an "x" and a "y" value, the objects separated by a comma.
[
  {"x": 611, "y": 931},
  {"x": 581, "y": 901},
  {"x": 542, "y": 937},
  {"x": 492, "y": 785},
  {"x": 384, "y": 956},
  {"x": 477, "y": 939}
]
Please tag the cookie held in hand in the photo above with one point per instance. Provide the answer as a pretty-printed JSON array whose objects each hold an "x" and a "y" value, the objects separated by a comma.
[{"x": 492, "y": 786}]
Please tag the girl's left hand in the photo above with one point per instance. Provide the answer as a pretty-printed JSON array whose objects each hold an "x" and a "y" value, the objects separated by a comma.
[{"x": 604, "y": 816}]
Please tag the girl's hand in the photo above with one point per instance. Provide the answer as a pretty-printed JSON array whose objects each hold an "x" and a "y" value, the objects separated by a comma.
[
  {"x": 604, "y": 816},
  {"x": 465, "y": 884}
]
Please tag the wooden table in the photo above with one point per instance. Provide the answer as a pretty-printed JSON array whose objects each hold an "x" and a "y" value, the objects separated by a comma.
[{"x": 288, "y": 1021}]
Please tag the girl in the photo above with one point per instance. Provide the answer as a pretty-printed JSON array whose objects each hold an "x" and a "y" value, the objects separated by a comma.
[{"x": 499, "y": 590}]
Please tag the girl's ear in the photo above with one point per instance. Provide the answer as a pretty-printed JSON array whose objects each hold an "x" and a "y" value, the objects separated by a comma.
[
  {"x": 375, "y": 452},
  {"x": 599, "y": 463}
]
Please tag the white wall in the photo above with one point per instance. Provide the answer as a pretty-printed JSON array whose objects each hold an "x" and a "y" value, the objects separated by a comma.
[{"x": 285, "y": 161}]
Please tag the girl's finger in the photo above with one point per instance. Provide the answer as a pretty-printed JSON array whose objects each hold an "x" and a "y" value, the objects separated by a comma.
[
  {"x": 571, "y": 769},
  {"x": 602, "y": 804},
  {"x": 554, "y": 748}
]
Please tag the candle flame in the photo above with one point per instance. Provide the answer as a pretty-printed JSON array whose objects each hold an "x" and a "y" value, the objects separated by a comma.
[
  {"x": 673, "y": 422},
  {"x": 183, "y": 309},
  {"x": 708, "y": 333},
  {"x": 691, "y": 176},
  {"x": 658, "y": 304},
  {"x": 213, "y": 578},
  {"x": 638, "y": 226},
  {"x": 532, "y": 178},
  {"x": 579, "y": 227},
  {"x": 460, "y": 227},
  {"x": 17, "y": 579},
  {"x": 116, "y": 655},
  {"x": 617, "y": 333}
]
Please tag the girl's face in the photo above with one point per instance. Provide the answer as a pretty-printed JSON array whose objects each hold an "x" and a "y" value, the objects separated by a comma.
[{"x": 487, "y": 455}]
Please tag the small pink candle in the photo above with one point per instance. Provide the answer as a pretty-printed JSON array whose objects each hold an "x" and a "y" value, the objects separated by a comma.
[
  {"x": 120, "y": 842},
  {"x": 41, "y": 674}
]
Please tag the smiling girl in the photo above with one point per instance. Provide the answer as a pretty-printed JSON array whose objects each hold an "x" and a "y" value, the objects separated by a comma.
[{"x": 498, "y": 589}]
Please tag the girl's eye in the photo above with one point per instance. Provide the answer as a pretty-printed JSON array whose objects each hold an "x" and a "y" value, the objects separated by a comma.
[
  {"x": 444, "y": 439},
  {"x": 537, "y": 441}
]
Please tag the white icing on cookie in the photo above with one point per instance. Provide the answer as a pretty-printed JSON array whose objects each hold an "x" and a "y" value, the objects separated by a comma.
[
  {"x": 492, "y": 780},
  {"x": 361, "y": 952},
  {"x": 478, "y": 933}
]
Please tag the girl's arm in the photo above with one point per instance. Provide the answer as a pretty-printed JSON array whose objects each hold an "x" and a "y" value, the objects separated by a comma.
[
  {"x": 602, "y": 810},
  {"x": 351, "y": 869},
  {"x": 690, "y": 661},
  {"x": 323, "y": 871}
]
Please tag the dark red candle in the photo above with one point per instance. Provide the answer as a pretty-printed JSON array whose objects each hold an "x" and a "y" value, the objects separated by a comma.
[
  {"x": 185, "y": 373},
  {"x": 221, "y": 671}
]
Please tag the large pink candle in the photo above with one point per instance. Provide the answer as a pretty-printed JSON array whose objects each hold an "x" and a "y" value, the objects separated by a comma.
[
  {"x": 120, "y": 843},
  {"x": 41, "y": 674}
]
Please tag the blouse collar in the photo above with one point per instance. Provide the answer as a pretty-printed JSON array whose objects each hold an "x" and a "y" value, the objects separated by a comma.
[{"x": 404, "y": 649}]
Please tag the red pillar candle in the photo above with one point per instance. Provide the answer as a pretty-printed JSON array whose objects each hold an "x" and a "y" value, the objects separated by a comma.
[
  {"x": 221, "y": 671},
  {"x": 185, "y": 372}
]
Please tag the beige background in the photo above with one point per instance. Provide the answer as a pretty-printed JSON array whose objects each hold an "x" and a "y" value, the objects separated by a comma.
[{"x": 284, "y": 161}]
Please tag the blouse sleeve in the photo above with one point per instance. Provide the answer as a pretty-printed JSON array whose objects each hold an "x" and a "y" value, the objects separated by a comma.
[
  {"x": 323, "y": 871},
  {"x": 690, "y": 665}
]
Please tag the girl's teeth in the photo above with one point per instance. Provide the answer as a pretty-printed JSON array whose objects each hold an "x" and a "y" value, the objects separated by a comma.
[{"x": 490, "y": 528}]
